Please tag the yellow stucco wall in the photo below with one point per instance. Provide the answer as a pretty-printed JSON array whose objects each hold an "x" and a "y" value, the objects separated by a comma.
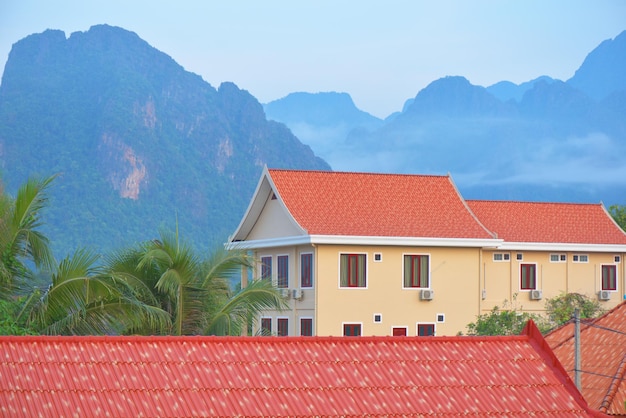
[
  {"x": 454, "y": 275},
  {"x": 501, "y": 279}
]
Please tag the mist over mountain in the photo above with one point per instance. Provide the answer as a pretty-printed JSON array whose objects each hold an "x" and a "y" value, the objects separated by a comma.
[
  {"x": 321, "y": 120},
  {"x": 544, "y": 139},
  {"x": 139, "y": 142}
]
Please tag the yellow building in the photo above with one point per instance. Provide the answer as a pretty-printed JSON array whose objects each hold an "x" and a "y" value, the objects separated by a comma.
[{"x": 387, "y": 254}]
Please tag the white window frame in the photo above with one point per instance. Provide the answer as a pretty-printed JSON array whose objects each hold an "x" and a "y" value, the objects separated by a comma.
[
  {"x": 519, "y": 277},
  {"x": 312, "y": 270},
  {"x": 443, "y": 319},
  {"x": 288, "y": 325},
  {"x": 367, "y": 272},
  {"x": 404, "y": 327},
  {"x": 562, "y": 258},
  {"x": 271, "y": 325},
  {"x": 417, "y": 324},
  {"x": 374, "y": 318},
  {"x": 351, "y": 323},
  {"x": 574, "y": 260},
  {"x": 380, "y": 260},
  {"x": 430, "y": 277},
  {"x": 300, "y": 325},
  {"x": 288, "y": 270},
  {"x": 261, "y": 257},
  {"x": 506, "y": 257}
]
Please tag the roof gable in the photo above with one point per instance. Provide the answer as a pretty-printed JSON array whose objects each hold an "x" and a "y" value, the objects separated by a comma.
[
  {"x": 603, "y": 358},
  {"x": 376, "y": 205},
  {"x": 538, "y": 222},
  {"x": 280, "y": 376}
]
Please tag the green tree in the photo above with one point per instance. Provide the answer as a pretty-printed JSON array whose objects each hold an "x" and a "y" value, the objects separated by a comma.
[
  {"x": 195, "y": 293},
  {"x": 618, "y": 212},
  {"x": 22, "y": 244},
  {"x": 506, "y": 321},
  {"x": 560, "y": 309},
  {"x": 85, "y": 300}
]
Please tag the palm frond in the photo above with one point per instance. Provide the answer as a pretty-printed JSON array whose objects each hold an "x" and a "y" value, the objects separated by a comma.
[{"x": 258, "y": 296}]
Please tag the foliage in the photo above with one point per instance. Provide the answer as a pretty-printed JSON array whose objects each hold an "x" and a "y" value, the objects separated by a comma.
[
  {"x": 9, "y": 314},
  {"x": 560, "y": 309},
  {"x": 22, "y": 244},
  {"x": 506, "y": 321},
  {"x": 83, "y": 300},
  {"x": 618, "y": 212},
  {"x": 166, "y": 274}
]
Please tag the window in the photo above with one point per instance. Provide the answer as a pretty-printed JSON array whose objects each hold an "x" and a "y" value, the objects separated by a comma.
[
  {"x": 282, "y": 327},
  {"x": 501, "y": 256},
  {"x": 352, "y": 270},
  {"x": 441, "y": 318},
  {"x": 609, "y": 277},
  {"x": 378, "y": 317},
  {"x": 519, "y": 256},
  {"x": 398, "y": 331},
  {"x": 351, "y": 330},
  {"x": 580, "y": 258},
  {"x": 306, "y": 270},
  {"x": 306, "y": 327},
  {"x": 416, "y": 271},
  {"x": 425, "y": 330},
  {"x": 266, "y": 267},
  {"x": 378, "y": 257},
  {"x": 528, "y": 276},
  {"x": 283, "y": 272},
  {"x": 617, "y": 258},
  {"x": 266, "y": 326},
  {"x": 558, "y": 258}
]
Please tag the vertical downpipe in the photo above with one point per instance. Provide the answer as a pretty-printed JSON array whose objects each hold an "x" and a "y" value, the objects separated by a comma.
[{"x": 577, "y": 348}]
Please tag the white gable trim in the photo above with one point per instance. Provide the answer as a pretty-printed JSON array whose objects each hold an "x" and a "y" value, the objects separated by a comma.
[
  {"x": 263, "y": 190},
  {"x": 358, "y": 240}
]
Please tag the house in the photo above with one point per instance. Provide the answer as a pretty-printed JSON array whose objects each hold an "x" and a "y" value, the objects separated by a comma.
[
  {"x": 391, "y": 254},
  {"x": 278, "y": 376},
  {"x": 602, "y": 359},
  {"x": 549, "y": 249}
]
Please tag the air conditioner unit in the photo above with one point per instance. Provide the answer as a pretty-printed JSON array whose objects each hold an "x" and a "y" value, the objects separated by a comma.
[
  {"x": 285, "y": 293},
  {"x": 604, "y": 295},
  {"x": 536, "y": 294},
  {"x": 297, "y": 294},
  {"x": 427, "y": 294}
]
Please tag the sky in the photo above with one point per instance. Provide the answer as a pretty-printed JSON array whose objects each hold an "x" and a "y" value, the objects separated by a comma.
[{"x": 380, "y": 52}]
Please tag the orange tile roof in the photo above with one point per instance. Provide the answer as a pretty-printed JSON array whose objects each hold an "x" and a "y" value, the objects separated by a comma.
[
  {"x": 284, "y": 376},
  {"x": 383, "y": 205},
  {"x": 548, "y": 222},
  {"x": 603, "y": 358}
]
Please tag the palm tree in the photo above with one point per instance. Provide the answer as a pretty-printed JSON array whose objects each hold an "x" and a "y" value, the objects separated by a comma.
[
  {"x": 84, "y": 300},
  {"x": 195, "y": 293},
  {"x": 21, "y": 242}
]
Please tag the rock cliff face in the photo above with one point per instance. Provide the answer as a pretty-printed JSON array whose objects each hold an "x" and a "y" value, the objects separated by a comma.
[{"x": 139, "y": 142}]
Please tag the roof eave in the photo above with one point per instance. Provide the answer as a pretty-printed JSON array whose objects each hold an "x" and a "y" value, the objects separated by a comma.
[
  {"x": 556, "y": 246},
  {"x": 367, "y": 240}
]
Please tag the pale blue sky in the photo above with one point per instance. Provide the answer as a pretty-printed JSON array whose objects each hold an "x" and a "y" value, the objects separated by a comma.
[{"x": 381, "y": 53}]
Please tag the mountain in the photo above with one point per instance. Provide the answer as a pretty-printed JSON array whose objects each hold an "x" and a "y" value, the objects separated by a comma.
[
  {"x": 604, "y": 69},
  {"x": 544, "y": 139},
  {"x": 321, "y": 120},
  {"x": 139, "y": 142}
]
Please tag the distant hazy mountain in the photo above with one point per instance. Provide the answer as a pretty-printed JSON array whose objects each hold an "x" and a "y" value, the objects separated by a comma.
[
  {"x": 138, "y": 141},
  {"x": 544, "y": 139},
  {"x": 506, "y": 90},
  {"x": 321, "y": 120},
  {"x": 604, "y": 70}
]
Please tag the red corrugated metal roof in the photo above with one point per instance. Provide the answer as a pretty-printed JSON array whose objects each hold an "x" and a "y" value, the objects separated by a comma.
[
  {"x": 603, "y": 358},
  {"x": 284, "y": 376},
  {"x": 548, "y": 222},
  {"x": 368, "y": 204}
]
